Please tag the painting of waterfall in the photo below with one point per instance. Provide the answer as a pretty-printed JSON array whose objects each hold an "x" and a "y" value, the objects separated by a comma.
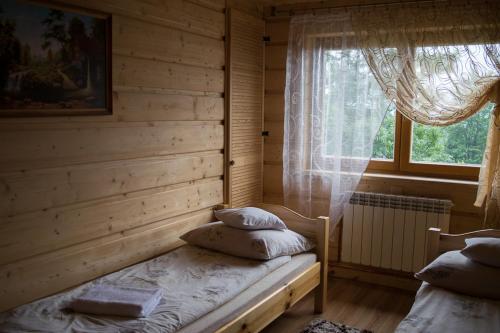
[{"x": 53, "y": 61}]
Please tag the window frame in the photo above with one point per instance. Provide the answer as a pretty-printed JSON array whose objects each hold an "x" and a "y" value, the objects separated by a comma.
[{"x": 402, "y": 164}]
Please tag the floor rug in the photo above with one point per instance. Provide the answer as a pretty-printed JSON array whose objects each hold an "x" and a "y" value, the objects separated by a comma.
[{"x": 325, "y": 326}]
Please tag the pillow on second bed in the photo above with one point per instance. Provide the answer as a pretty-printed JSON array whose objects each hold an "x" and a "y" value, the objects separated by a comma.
[
  {"x": 249, "y": 218},
  {"x": 454, "y": 271},
  {"x": 254, "y": 244},
  {"x": 485, "y": 250}
]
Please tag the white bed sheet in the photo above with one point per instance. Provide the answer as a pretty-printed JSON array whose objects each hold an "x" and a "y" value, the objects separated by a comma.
[
  {"x": 437, "y": 310},
  {"x": 252, "y": 295},
  {"x": 195, "y": 281}
]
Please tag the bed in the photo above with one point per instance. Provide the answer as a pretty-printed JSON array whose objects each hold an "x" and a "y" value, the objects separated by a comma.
[
  {"x": 205, "y": 291},
  {"x": 438, "y": 310}
]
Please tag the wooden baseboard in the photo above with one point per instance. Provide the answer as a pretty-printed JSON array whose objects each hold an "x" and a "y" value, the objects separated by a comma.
[{"x": 381, "y": 277}]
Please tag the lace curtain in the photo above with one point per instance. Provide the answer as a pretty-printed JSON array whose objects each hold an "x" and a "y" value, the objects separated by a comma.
[
  {"x": 489, "y": 178},
  {"x": 437, "y": 63},
  {"x": 333, "y": 110}
]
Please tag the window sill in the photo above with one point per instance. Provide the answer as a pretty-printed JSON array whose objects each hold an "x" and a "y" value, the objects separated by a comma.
[
  {"x": 387, "y": 176},
  {"x": 381, "y": 176}
]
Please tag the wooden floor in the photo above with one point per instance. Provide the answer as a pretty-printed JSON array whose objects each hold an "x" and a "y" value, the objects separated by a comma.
[{"x": 357, "y": 304}]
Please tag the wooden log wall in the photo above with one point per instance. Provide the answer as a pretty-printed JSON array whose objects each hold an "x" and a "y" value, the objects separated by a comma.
[
  {"x": 83, "y": 196},
  {"x": 464, "y": 217}
]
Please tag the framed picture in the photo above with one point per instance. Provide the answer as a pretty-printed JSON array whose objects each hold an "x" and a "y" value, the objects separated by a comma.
[{"x": 54, "y": 60}]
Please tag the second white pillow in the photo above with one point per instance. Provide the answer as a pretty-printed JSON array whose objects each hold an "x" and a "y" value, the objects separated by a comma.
[
  {"x": 249, "y": 218},
  {"x": 485, "y": 250}
]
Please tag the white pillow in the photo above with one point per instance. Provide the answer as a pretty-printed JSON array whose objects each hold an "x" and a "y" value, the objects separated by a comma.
[
  {"x": 249, "y": 218},
  {"x": 454, "y": 271},
  {"x": 254, "y": 244},
  {"x": 485, "y": 250}
]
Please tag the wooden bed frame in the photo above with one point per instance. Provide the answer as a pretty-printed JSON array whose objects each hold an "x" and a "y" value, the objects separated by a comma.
[
  {"x": 438, "y": 243},
  {"x": 315, "y": 277}
]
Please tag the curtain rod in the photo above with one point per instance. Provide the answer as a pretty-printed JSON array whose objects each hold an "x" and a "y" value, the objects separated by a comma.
[{"x": 276, "y": 12}]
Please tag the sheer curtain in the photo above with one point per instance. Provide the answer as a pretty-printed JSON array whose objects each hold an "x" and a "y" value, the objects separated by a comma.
[
  {"x": 439, "y": 63},
  {"x": 333, "y": 110},
  {"x": 489, "y": 179},
  {"x": 448, "y": 58}
]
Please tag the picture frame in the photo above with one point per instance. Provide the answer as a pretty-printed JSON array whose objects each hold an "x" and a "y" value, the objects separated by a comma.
[{"x": 55, "y": 60}]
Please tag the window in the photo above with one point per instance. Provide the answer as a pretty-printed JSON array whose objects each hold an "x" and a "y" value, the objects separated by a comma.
[
  {"x": 458, "y": 144},
  {"x": 383, "y": 146},
  {"x": 454, "y": 151},
  {"x": 401, "y": 146}
]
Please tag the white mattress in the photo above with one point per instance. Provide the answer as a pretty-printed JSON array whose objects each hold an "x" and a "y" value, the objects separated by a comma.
[
  {"x": 437, "y": 310},
  {"x": 251, "y": 296},
  {"x": 195, "y": 282}
]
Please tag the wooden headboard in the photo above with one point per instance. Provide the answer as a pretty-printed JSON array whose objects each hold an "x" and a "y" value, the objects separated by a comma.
[
  {"x": 317, "y": 229},
  {"x": 438, "y": 242}
]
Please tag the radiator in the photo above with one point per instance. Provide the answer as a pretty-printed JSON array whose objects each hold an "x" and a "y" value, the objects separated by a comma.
[{"x": 389, "y": 231}]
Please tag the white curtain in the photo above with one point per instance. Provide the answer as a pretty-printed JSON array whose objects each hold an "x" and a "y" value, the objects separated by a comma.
[
  {"x": 489, "y": 179},
  {"x": 438, "y": 62},
  {"x": 333, "y": 110}
]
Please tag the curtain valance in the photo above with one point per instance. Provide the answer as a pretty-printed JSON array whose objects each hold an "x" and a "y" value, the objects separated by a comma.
[{"x": 439, "y": 61}]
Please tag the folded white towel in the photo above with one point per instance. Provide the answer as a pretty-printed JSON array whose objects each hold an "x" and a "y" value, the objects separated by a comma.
[{"x": 117, "y": 300}]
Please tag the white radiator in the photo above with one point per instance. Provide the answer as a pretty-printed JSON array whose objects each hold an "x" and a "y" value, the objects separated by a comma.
[{"x": 389, "y": 231}]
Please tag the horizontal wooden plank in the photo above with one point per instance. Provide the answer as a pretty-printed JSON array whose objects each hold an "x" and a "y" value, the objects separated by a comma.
[
  {"x": 276, "y": 131},
  {"x": 273, "y": 198},
  {"x": 48, "y": 147},
  {"x": 179, "y": 14},
  {"x": 141, "y": 106},
  {"x": 273, "y": 179},
  {"x": 29, "y": 279},
  {"x": 42, "y": 231},
  {"x": 218, "y": 5},
  {"x": 32, "y": 190},
  {"x": 152, "y": 41},
  {"x": 276, "y": 56},
  {"x": 135, "y": 72},
  {"x": 277, "y": 31},
  {"x": 460, "y": 224},
  {"x": 273, "y": 152},
  {"x": 146, "y": 104},
  {"x": 274, "y": 108},
  {"x": 252, "y": 8},
  {"x": 275, "y": 80}
]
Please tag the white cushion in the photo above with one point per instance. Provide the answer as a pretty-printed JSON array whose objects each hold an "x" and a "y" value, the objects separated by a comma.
[
  {"x": 250, "y": 218},
  {"x": 254, "y": 244},
  {"x": 455, "y": 272},
  {"x": 485, "y": 250}
]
